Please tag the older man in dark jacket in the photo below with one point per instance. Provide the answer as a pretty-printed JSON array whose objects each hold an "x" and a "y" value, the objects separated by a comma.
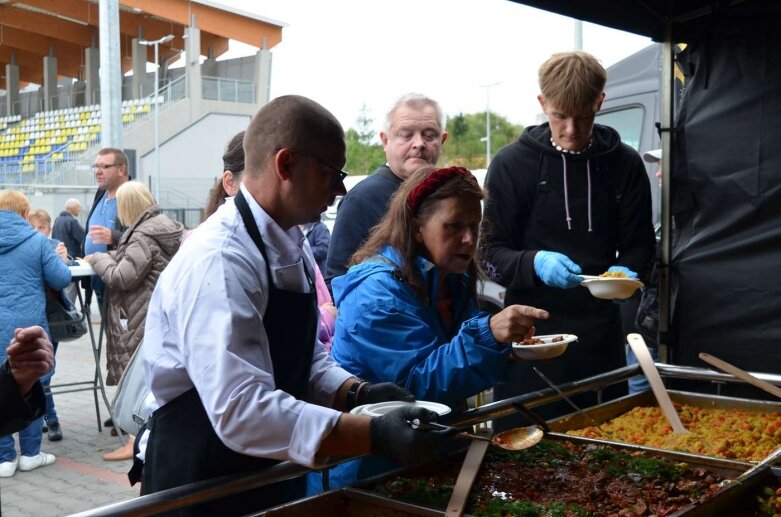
[{"x": 67, "y": 229}]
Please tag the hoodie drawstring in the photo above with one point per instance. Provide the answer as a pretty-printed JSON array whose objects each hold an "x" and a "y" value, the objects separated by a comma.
[
  {"x": 588, "y": 175},
  {"x": 566, "y": 193}
]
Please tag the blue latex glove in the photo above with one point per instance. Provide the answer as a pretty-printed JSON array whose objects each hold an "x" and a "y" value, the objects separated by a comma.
[
  {"x": 625, "y": 270},
  {"x": 557, "y": 270}
]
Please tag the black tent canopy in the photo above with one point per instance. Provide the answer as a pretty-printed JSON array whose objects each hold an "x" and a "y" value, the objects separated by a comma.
[{"x": 653, "y": 18}]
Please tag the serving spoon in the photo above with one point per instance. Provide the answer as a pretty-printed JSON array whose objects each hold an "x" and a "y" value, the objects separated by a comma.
[
  {"x": 741, "y": 374},
  {"x": 637, "y": 343}
]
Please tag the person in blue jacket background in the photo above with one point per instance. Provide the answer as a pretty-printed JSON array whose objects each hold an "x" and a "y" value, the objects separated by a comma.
[
  {"x": 27, "y": 264},
  {"x": 408, "y": 305}
]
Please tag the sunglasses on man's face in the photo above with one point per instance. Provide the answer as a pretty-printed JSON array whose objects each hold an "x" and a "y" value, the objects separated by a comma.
[{"x": 338, "y": 174}]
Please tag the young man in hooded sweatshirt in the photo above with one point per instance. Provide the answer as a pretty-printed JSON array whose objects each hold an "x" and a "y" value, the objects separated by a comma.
[{"x": 568, "y": 198}]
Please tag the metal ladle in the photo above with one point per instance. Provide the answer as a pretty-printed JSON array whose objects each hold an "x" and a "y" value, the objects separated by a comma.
[{"x": 516, "y": 439}]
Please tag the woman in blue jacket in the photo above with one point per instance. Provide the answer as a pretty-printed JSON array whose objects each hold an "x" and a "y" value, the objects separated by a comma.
[
  {"x": 27, "y": 265},
  {"x": 408, "y": 305}
]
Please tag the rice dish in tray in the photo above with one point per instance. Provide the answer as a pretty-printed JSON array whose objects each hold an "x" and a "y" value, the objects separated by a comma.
[{"x": 734, "y": 434}]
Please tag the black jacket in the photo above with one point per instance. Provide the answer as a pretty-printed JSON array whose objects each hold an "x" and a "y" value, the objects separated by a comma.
[
  {"x": 595, "y": 208},
  {"x": 619, "y": 207},
  {"x": 17, "y": 411},
  {"x": 68, "y": 230},
  {"x": 361, "y": 209}
]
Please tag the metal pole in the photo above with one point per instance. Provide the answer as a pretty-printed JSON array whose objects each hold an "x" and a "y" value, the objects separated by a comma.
[
  {"x": 157, "y": 123},
  {"x": 668, "y": 160},
  {"x": 578, "y": 35},
  {"x": 487, "y": 126},
  {"x": 157, "y": 44},
  {"x": 488, "y": 121}
]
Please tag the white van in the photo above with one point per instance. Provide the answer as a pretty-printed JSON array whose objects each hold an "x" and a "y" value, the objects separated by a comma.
[{"x": 329, "y": 216}]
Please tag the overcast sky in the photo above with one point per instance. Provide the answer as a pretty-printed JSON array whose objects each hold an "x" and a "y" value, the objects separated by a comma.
[{"x": 344, "y": 53}]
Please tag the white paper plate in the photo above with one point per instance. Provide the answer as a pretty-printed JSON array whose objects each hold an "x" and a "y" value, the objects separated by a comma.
[
  {"x": 611, "y": 288},
  {"x": 545, "y": 350},
  {"x": 380, "y": 408}
]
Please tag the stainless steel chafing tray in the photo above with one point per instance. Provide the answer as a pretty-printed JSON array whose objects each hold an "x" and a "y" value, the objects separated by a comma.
[
  {"x": 209, "y": 489},
  {"x": 615, "y": 408},
  {"x": 344, "y": 501},
  {"x": 361, "y": 501},
  {"x": 596, "y": 383},
  {"x": 348, "y": 502}
]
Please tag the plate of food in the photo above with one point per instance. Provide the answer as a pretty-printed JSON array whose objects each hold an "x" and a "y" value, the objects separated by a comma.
[
  {"x": 380, "y": 408},
  {"x": 613, "y": 285},
  {"x": 543, "y": 347}
]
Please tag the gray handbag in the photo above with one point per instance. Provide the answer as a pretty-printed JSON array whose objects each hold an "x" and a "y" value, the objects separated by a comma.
[{"x": 129, "y": 410}]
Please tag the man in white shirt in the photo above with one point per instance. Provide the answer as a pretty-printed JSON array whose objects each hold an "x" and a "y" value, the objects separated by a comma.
[{"x": 230, "y": 350}]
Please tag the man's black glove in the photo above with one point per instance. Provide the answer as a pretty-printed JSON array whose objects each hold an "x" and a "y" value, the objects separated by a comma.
[
  {"x": 392, "y": 436},
  {"x": 381, "y": 392}
]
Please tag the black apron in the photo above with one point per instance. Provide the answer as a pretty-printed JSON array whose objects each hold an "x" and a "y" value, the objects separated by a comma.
[
  {"x": 183, "y": 446},
  {"x": 596, "y": 322}
]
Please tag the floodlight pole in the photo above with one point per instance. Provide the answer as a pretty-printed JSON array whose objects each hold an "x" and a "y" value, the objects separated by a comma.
[
  {"x": 156, "y": 43},
  {"x": 488, "y": 121}
]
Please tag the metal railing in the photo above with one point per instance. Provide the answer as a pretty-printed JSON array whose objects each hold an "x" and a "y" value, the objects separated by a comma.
[
  {"x": 189, "y": 217},
  {"x": 228, "y": 90},
  {"x": 170, "y": 92}
]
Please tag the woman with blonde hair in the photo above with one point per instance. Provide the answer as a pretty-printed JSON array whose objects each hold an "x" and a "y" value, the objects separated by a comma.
[
  {"x": 28, "y": 264},
  {"x": 130, "y": 272}
]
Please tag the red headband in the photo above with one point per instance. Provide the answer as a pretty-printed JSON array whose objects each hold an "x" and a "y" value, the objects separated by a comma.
[{"x": 433, "y": 181}]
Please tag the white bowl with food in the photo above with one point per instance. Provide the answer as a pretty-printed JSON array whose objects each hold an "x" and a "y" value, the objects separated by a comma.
[
  {"x": 611, "y": 288},
  {"x": 543, "y": 347}
]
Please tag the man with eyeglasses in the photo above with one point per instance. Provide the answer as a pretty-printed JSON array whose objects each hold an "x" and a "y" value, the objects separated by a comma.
[
  {"x": 103, "y": 226},
  {"x": 412, "y": 138},
  {"x": 231, "y": 353}
]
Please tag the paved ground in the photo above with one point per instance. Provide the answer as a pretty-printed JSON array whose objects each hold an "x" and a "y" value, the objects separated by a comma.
[{"x": 79, "y": 480}]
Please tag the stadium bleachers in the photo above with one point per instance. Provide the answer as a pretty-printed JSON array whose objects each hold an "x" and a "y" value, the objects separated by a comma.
[{"x": 54, "y": 136}]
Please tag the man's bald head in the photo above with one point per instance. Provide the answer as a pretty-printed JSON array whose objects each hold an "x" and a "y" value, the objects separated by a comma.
[
  {"x": 288, "y": 122},
  {"x": 73, "y": 206}
]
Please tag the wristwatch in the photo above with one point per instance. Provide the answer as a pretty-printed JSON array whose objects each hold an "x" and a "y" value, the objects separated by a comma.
[{"x": 351, "y": 399}]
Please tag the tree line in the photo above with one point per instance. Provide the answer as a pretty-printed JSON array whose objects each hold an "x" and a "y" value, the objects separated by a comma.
[{"x": 465, "y": 145}]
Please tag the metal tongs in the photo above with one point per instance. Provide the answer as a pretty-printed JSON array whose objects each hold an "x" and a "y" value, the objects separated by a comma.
[
  {"x": 561, "y": 394},
  {"x": 515, "y": 439},
  {"x": 769, "y": 460},
  {"x": 417, "y": 424}
]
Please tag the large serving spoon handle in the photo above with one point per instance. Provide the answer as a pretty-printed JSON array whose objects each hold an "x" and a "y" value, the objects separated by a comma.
[
  {"x": 741, "y": 374},
  {"x": 637, "y": 343}
]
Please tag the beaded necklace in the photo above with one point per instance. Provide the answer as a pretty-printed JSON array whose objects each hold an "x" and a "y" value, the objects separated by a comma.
[{"x": 567, "y": 151}]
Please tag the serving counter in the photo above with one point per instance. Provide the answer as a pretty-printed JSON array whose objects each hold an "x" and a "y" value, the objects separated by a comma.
[
  {"x": 425, "y": 491},
  {"x": 346, "y": 502}
]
